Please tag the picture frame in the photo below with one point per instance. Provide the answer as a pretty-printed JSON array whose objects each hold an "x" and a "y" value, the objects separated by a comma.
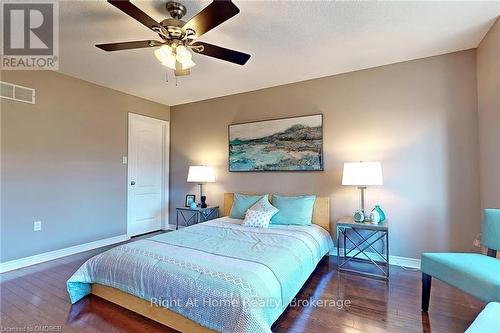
[
  {"x": 189, "y": 199},
  {"x": 289, "y": 144}
]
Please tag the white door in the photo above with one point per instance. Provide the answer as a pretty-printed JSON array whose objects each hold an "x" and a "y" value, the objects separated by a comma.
[{"x": 148, "y": 140}]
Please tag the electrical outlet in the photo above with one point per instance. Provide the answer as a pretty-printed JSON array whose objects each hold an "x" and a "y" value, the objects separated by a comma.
[
  {"x": 477, "y": 243},
  {"x": 37, "y": 226}
]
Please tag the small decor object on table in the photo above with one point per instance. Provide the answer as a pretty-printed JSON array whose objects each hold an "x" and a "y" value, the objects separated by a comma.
[
  {"x": 355, "y": 239},
  {"x": 195, "y": 215},
  {"x": 374, "y": 217},
  {"x": 377, "y": 215},
  {"x": 380, "y": 212},
  {"x": 359, "y": 216},
  {"x": 190, "y": 198}
]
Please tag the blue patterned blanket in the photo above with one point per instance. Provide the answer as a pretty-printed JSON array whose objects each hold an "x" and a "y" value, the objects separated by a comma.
[{"x": 225, "y": 276}]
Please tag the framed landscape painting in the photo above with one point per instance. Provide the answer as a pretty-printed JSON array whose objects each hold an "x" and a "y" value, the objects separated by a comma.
[{"x": 287, "y": 144}]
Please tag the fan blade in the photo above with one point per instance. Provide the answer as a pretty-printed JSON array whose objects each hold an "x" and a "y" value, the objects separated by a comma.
[
  {"x": 130, "y": 9},
  {"x": 218, "y": 52},
  {"x": 129, "y": 45},
  {"x": 211, "y": 16}
]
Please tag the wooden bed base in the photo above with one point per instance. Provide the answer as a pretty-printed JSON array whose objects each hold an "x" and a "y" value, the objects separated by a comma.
[
  {"x": 321, "y": 217},
  {"x": 143, "y": 307}
]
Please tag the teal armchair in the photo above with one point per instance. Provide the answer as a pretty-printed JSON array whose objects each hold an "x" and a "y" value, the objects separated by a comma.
[{"x": 473, "y": 273}]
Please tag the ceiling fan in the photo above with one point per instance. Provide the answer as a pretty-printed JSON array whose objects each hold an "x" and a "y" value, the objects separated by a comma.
[{"x": 177, "y": 36}]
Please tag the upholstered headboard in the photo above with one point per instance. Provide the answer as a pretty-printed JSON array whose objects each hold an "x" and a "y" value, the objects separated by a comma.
[{"x": 321, "y": 210}]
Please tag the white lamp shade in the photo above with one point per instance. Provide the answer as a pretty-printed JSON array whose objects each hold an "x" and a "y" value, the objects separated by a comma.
[
  {"x": 201, "y": 174},
  {"x": 362, "y": 174}
]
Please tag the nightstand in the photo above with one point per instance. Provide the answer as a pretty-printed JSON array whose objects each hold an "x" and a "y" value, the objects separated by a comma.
[
  {"x": 196, "y": 215},
  {"x": 367, "y": 239}
]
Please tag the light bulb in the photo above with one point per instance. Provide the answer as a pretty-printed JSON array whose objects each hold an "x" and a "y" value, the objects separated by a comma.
[
  {"x": 182, "y": 54},
  {"x": 169, "y": 62},
  {"x": 187, "y": 64},
  {"x": 163, "y": 52},
  {"x": 165, "y": 56}
]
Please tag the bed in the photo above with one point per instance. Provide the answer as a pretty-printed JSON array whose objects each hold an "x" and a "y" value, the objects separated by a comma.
[{"x": 218, "y": 276}]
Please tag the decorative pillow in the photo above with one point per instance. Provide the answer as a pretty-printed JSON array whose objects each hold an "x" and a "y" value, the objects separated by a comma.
[
  {"x": 295, "y": 210},
  {"x": 264, "y": 205},
  {"x": 258, "y": 218},
  {"x": 242, "y": 202}
]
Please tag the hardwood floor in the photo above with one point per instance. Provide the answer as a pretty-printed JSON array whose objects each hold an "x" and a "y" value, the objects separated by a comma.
[{"x": 36, "y": 296}]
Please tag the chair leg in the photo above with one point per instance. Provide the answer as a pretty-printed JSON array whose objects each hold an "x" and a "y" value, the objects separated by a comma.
[
  {"x": 492, "y": 253},
  {"x": 426, "y": 291}
]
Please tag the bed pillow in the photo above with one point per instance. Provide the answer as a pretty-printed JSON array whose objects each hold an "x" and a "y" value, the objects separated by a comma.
[
  {"x": 264, "y": 205},
  {"x": 296, "y": 210},
  {"x": 242, "y": 202},
  {"x": 260, "y": 214},
  {"x": 257, "y": 218}
]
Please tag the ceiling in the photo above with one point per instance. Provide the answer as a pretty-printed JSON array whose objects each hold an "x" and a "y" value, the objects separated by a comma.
[{"x": 289, "y": 41}]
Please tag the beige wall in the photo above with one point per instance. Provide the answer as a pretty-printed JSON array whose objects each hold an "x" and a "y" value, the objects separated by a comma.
[
  {"x": 62, "y": 162},
  {"x": 418, "y": 117},
  {"x": 488, "y": 90}
]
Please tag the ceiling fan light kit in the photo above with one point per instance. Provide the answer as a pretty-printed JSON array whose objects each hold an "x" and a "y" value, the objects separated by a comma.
[
  {"x": 179, "y": 36},
  {"x": 168, "y": 56},
  {"x": 165, "y": 55}
]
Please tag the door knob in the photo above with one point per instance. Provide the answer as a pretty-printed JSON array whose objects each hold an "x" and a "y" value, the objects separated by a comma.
[{"x": 132, "y": 183}]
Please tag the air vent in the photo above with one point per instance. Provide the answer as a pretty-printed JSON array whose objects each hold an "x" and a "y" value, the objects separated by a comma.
[{"x": 17, "y": 93}]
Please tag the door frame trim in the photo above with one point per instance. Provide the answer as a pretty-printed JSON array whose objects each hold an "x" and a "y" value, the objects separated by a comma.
[{"x": 165, "y": 166}]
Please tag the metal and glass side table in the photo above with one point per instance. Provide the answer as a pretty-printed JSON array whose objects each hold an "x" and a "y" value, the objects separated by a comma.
[
  {"x": 190, "y": 216},
  {"x": 361, "y": 244}
]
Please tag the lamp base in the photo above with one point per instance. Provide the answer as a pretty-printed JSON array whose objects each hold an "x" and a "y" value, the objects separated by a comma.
[{"x": 203, "y": 201}]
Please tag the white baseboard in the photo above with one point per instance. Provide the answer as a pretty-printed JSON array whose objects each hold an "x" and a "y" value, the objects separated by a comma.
[
  {"x": 393, "y": 260},
  {"x": 405, "y": 262},
  {"x": 39, "y": 258}
]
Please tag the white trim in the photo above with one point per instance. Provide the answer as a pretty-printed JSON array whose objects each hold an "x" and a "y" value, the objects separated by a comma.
[
  {"x": 405, "y": 262},
  {"x": 39, "y": 258},
  {"x": 393, "y": 260},
  {"x": 165, "y": 213},
  {"x": 165, "y": 219}
]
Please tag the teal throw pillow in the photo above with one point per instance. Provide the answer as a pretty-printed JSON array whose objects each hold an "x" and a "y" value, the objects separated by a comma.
[
  {"x": 242, "y": 202},
  {"x": 295, "y": 210}
]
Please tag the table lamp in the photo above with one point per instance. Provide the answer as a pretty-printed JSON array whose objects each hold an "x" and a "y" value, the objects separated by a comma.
[
  {"x": 201, "y": 174},
  {"x": 362, "y": 174}
]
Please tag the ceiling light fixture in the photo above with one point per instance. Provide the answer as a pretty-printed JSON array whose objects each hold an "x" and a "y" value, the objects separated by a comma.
[
  {"x": 179, "y": 38},
  {"x": 184, "y": 57},
  {"x": 168, "y": 55}
]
